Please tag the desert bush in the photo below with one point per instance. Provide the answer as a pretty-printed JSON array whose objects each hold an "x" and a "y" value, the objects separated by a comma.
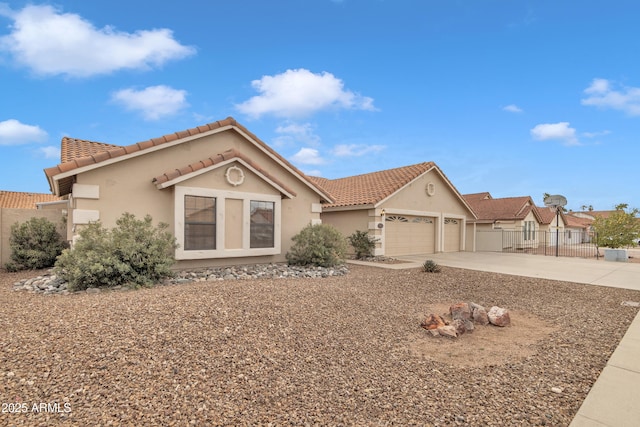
[
  {"x": 362, "y": 243},
  {"x": 321, "y": 245},
  {"x": 134, "y": 253},
  {"x": 430, "y": 266},
  {"x": 34, "y": 244}
]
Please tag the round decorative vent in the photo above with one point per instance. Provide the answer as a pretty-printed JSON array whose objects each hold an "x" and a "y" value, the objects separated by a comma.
[
  {"x": 234, "y": 175},
  {"x": 430, "y": 189}
]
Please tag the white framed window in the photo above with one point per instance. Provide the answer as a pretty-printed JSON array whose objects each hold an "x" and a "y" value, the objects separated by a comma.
[
  {"x": 529, "y": 230},
  {"x": 201, "y": 228},
  {"x": 261, "y": 233},
  {"x": 199, "y": 223}
]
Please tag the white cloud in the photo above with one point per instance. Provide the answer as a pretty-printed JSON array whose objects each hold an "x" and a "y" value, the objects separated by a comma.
[
  {"x": 512, "y": 108},
  {"x": 307, "y": 156},
  {"x": 601, "y": 94},
  {"x": 50, "y": 152},
  {"x": 51, "y": 42},
  {"x": 154, "y": 102},
  {"x": 595, "y": 134},
  {"x": 12, "y": 132},
  {"x": 298, "y": 132},
  {"x": 556, "y": 131},
  {"x": 299, "y": 93},
  {"x": 344, "y": 150}
]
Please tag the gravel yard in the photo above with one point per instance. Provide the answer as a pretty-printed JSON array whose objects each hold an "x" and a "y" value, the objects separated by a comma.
[{"x": 329, "y": 351}]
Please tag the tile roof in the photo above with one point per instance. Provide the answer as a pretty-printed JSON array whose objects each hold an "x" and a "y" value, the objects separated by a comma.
[
  {"x": 478, "y": 196},
  {"x": 370, "y": 188},
  {"x": 72, "y": 148},
  {"x": 547, "y": 215},
  {"x": 577, "y": 222},
  {"x": 21, "y": 200},
  {"x": 67, "y": 167},
  {"x": 213, "y": 160},
  {"x": 506, "y": 208},
  {"x": 595, "y": 214}
]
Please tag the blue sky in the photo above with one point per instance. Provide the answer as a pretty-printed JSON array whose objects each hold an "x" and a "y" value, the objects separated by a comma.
[{"x": 512, "y": 97}]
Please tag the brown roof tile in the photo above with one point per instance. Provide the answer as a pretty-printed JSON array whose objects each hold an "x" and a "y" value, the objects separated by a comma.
[
  {"x": 577, "y": 222},
  {"x": 213, "y": 160},
  {"x": 22, "y": 200},
  {"x": 72, "y": 148},
  {"x": 69, "y": 163},
  {"x": 370, "y": 188},
  {"x": 507, "y": 208}
]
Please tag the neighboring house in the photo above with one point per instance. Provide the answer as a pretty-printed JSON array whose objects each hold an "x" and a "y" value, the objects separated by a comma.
[
  {"x": 227, "y": 196},
  {"x": 19, "y": 207},
  {"x": 409, "y": 210},
  {"x": 578, "y": 229},
  {"x": 21, "y": 200},
  {"x": 517, "y": 215}
]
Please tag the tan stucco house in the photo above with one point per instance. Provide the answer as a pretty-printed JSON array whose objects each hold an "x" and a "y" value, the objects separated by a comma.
[
  {"x": 409, "y": 210},
  {"x": 227, "y": 196}
]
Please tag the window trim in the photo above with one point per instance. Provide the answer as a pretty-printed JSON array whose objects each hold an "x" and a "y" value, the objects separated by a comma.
[{"x": 221, "y": 195}]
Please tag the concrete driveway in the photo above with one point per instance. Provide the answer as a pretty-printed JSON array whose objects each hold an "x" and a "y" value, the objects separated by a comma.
[{"x": 578, "y": 270}]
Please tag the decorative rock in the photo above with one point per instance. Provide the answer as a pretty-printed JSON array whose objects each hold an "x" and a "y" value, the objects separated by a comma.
[
  {"x": 433, "y": 321},
  {"x": 556, "y": 390},
  {"x": 469, "y": 326},
  {"x": 480, "y": 316},
  {"x": 499, "y": 316},
  {"x": 459, "y": 325},
  {"x": 460, "y": 311},
  {"x": 49, "y": 283},
  {"x": 448, "y": 331}
]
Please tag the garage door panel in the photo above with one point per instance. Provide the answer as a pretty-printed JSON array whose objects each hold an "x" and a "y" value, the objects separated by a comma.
[
  {"x": 452, "y": 232},
  {"x": 406, "y": 234}
]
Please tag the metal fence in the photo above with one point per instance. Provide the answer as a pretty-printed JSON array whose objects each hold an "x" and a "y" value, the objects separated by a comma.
[{"x": 569, "y": 243}]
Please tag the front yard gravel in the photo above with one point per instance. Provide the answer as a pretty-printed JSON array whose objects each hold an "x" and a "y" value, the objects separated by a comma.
[{"x": 305, "y": 351}]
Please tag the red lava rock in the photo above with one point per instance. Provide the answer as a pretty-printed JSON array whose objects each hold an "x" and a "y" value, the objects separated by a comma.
[
  {"x": 460, "y": 311},
  {"x": 433, "y": 321}
]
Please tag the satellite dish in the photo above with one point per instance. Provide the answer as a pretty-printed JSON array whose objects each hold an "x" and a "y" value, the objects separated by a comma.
[{"x": 555, "y": 201}]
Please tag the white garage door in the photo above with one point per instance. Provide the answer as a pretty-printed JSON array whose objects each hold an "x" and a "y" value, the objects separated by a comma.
[
  {"x": 406, "y": 235},
  {"x": 452, "y": 234}
]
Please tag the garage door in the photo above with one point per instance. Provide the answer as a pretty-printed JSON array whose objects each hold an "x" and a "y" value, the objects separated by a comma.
[
  {"x": 452, "y": 234},
  {"x": 406, "y": 235}
]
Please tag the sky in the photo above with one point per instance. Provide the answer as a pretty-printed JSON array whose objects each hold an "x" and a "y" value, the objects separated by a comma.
[{"x": 513, "y": 97}]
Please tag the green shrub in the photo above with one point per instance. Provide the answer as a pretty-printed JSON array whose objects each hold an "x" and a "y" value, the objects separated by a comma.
[
  {"x": 430, "y": 266},
  {"x": 34, "y": 244},
  {"x": 320, "y": 245},
  {"x": 134, "y": 253},
  {"x": 362, "y": 243}
]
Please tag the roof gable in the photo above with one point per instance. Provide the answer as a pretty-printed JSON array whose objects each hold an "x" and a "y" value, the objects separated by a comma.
[
  {"x": 370, "y": 188},
  {"x": 61, "y": 177},
  {"x": 175, "y": 176},
  {"x": 373, "y": 188}
]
